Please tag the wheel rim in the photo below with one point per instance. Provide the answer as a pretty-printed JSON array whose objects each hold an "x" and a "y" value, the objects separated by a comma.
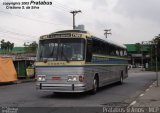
[
  {"x": 121, "y": 79},
  {"x": 95, "y": 85}
]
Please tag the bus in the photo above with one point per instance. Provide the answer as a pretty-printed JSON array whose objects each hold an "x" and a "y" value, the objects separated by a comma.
[{"x": 76, "y": 61}]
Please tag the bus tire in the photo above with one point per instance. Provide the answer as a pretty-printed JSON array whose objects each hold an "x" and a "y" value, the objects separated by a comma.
[
  {"x": 94, "y": 86},
  {"x": 121, "y": 80}
]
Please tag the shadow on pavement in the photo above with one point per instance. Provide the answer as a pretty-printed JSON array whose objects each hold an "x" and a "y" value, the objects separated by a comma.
[{"x": 7, "y": 83}]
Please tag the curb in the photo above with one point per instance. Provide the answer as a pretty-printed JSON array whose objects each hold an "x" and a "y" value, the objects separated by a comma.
[
  {"x": 25, "y": 81},
  {"x": 142, "y": 94}
]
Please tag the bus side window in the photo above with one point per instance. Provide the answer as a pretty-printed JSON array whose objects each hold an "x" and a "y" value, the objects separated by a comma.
[{"x": 89, "y": 51}]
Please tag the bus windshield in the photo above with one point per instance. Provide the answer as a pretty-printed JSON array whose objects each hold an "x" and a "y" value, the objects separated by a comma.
[{"x": 61, "y": 49}]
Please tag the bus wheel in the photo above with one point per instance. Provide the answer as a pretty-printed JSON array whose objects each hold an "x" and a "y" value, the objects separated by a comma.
[
  {"x": 121, "y": 79},
  {"x": 94, "y": 86}
]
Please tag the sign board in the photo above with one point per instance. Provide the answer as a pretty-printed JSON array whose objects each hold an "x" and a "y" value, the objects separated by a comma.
[{"x": 62, "y": 35}]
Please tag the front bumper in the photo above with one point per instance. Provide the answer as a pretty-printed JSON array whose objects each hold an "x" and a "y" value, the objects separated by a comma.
[{"x": 61, "y": 87}]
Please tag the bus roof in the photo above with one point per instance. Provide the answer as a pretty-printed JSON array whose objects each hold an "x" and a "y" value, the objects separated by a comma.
[
  {"x": 110, "y": 42},
  {"x": 68, "y": 31},
  {"x": 93, "y": 37}
]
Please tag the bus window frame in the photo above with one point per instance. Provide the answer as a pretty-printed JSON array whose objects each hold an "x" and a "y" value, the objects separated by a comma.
[
  {"x": 89, "y": 50},
  {"x": 84, "y": 50}
]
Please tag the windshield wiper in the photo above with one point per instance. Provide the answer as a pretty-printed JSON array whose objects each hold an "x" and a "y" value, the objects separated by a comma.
[{"x": 66, "y": 58}]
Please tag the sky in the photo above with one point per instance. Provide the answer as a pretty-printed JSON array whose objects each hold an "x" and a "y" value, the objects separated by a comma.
[{"x": 130, "y": 21}]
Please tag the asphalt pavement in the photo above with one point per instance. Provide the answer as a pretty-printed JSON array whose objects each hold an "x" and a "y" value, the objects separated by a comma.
[
  {"x": 26, "y": 95},
  {"x": 150, "y": 97},
  {"x": 149, "y": 100}
]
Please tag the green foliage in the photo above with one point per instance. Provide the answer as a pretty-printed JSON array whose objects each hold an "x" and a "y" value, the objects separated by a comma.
[
  {"x": 155, "y": 46},
  {"x": 138, "y": 47},
  {"x": 6, "y": 46},
  {"x": 155, "y": 51},
  {"x": 32, "y": 47}
]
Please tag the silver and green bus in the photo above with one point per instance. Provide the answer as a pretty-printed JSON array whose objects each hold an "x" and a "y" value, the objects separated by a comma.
[{"x": 76, "y": 61}]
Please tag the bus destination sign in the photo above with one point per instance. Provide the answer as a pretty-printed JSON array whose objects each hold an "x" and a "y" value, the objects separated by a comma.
[{"x": 64, "y": 35}]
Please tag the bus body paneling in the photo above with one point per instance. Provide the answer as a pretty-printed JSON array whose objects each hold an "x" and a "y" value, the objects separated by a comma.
[
  {"x": 62, "y": 72},
  {"x": 107, "y": 74}
]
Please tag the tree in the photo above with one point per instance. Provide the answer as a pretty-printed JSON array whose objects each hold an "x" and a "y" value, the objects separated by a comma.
[
  {"x": 32, "y": 47},
  {"x": 138, "y": 47},
  {"x": 2, "y": 44},
  {"x": 11, "y": 46},
  {"x": 6, "y": 46},
  {"x": 154, "y": 48},
  {"x": 157, "y": 42}
]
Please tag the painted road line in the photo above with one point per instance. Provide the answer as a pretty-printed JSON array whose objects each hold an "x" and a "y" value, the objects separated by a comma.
[
  {"x": 141, "y": 95},
  {"x": 134, "y": 102},
  {"x": 147, "y": 89}
]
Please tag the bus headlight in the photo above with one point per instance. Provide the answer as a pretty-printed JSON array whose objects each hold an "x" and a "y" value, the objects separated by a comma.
[
  {"x": 72, "y": 78},
  {"x": 81, "y": 78},
  {"x": 41, "y": 78}
]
